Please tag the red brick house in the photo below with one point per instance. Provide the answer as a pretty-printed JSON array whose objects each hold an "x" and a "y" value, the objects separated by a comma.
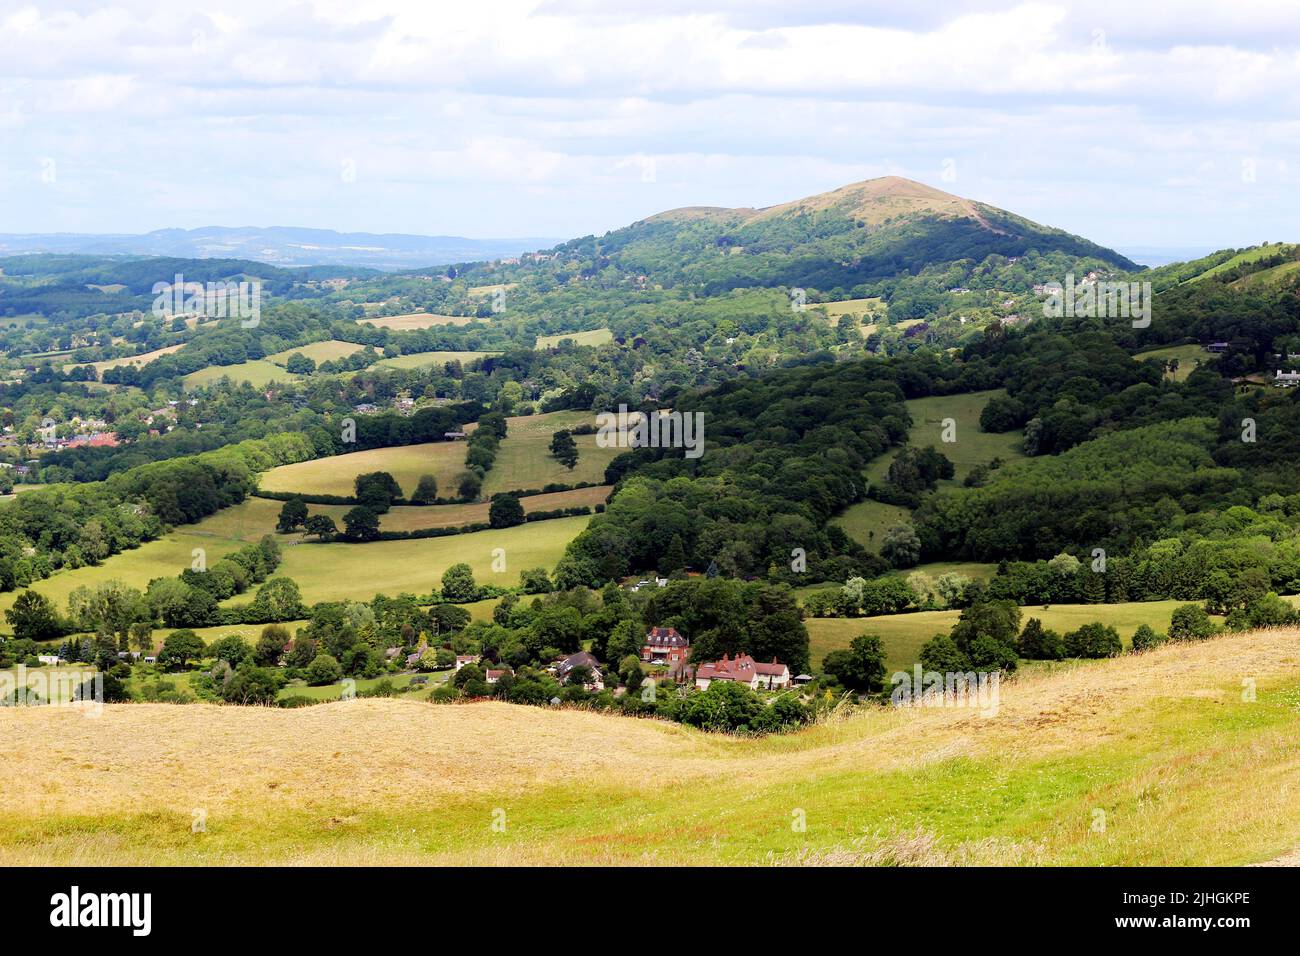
[
  {"x": 743, "y": 669},
  {"x": 664, "y": 645}
]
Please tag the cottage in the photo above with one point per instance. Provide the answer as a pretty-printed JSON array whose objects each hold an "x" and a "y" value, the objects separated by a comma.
[
  {"x": 492, "y": 676},
  {"x": 463, "y": 659},
  {"x": 743, "y": 669},
  {"x": 1286, "y": 379},
  {"x": 581, "y": 659}
]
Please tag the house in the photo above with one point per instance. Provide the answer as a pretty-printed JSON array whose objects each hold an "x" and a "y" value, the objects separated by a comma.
[
  {"x": 48, "y": 660},
  {"x": 365, "y": 408},
  {"x": 463, "y": 659},
  {"x": 581, "y": 659},
  {"x": 664, "y": 645},
  {"x": 1286, "y": 379},
  {"x": 492, "y": 676},
  {"x": 801, "y": 679},
  {"x": 1217, "y": 347},
  {"x": 453, "y": 436},
  {"x": 743, "y": 669}
]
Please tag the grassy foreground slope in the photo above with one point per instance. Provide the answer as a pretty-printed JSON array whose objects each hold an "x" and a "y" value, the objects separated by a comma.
[{"x": 1151, "y": 759}]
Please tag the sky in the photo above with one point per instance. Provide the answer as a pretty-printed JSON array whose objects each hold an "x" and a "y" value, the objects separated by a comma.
[{"x": 1156, "y": 123}]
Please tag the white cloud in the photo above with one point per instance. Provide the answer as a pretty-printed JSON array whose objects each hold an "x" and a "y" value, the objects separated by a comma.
[{"x": 531, "y": 117}]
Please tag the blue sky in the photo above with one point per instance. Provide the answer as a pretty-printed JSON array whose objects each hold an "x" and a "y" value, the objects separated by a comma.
[{"x": 1158, "y": 123}]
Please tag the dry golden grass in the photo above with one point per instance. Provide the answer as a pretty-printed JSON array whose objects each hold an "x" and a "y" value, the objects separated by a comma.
[
  {"x": 416, "y": 320},
  {"x": 1162, "y": 742}
]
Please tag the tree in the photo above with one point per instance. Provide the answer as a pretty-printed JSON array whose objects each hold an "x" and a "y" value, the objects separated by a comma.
[
  {"x": 426, "y": 491},
  {"x": 271, "y": 645},
  {"x": 674, "y": 557},
  {"x": 179, "y": 648},
  {"x": 232, "y": 649},
  {"x": 564, "y": 449},
  {"x": 861, "y": 667},
  {"x": 1093, "y": 640},
  {"x": 1146, "y": 637},
  {"x": 458, "y": 583},
  {"x": 901, "y": 546},
  {"x": 323, "y": 669},
  {"x": 299, "y": 364},
  {"x": 251, "y": 685},
  {"x": 468, "y": 485},
  {"x": 1037, "y": 643},
  {"x": 1190, "y": 623},
  {"x": 535, "y": 581},
  {"x": 320, "y": 525},
  {"x": 361, "y": 524},
  {"x": 293, "y": 513},
  {"x": 277, "y": 600},
  {"x": 986, "y": 633},
  {"x": 33, "y": 617},
  {"x": 505, "y": 511},
  {"x": 377, "y": 490},
  {"x": 942, "y": 655}
]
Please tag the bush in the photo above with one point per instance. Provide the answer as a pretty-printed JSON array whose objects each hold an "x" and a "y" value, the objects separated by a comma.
[
  {"x": 1191, "y": 623},
  {"x": 323, "y": 669},
  {"x": 1094, "y": 640},
  {"x": 1146, "y": 637}
]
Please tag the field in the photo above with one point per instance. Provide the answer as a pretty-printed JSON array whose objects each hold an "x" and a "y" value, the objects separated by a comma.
[
  {"x": 524, "y": 459},
  {"x": 1243, "y": 258},
  {"x": 166, "y": 557},
  {"x": 1188, "y": 356},
  {"x": 318, "y": 352},
  {"x": 1160, "y": 742},
  {"x": 144, "y": 358},
  {"x": 255, "y": 517},
  {"x": 333, "y": 572},
  {"x": 867, "y": 521},
  {"x": 416, "y": 320},
  {"x": 335, "y": 475},
  {"x": 423, "y": 359},
  {"x": 357, "y": 572},
  {"x": 903, "y": 634},
  {"x": 256, "y": 373},
  {"x": 591, "y": 337}
]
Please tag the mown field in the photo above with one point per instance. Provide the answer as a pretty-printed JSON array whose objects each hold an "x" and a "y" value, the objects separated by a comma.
[
  {"x": 318, "y": 352},
  {"x": 416, "y": 320},
  {"x": 332, "y": 572},
  {"x": 524, "y": 459},
  {"x": 424, "y": 359},
  {"x": 406, "y": 463},
  {"x": 257, "y": 516},
  {"x": 256, "y": 373},
  {"x": 144, "y": 358},
  {"x": 1189, "y": 357},
  {"x": 903, "y": 634},
  {"x": 1160, "y": 743},
  {"x": 590, "y": 337}
]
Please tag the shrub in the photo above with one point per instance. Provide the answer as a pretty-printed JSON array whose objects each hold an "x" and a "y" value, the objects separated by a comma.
[{"x": 1191, "y": 623}]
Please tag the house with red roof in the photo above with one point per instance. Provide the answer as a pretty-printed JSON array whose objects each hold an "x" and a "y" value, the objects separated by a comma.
[{"x": 743, "y": 669}]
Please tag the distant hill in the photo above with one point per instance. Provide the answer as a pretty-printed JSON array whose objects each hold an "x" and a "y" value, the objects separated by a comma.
[
  {"x": 280, "y": 245},
  {"x": 859, "y": 233}
]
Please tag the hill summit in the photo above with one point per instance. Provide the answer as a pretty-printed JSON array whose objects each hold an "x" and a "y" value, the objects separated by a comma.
[{"x": 878, "y": 229}]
